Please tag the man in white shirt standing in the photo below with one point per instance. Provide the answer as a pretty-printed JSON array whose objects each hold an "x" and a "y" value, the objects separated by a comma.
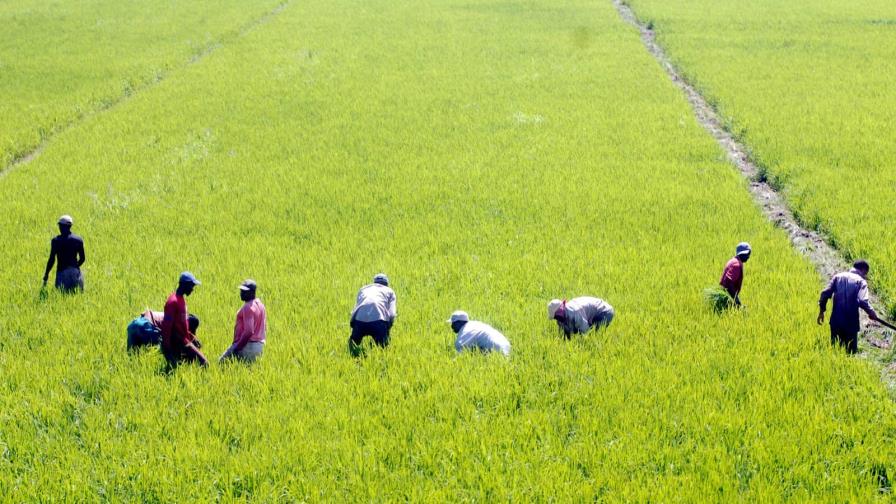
[
  {"x": 477, "y": 335},
  {"x": 373, "y": 315}
]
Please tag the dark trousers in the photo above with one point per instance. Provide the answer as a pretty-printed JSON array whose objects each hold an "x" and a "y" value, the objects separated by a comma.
[
  {"x": 69, "y": 279},
  {"x": 845, "y": 337},
  {"x": 378, "y": 330},
  {"x": 179, "y": 354}
]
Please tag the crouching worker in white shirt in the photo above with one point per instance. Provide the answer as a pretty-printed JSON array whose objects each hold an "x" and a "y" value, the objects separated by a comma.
[
  {"x": 373, "y": 315},
  {"x": 579, "y": 315},
  {"x": 477, "y": 335}
]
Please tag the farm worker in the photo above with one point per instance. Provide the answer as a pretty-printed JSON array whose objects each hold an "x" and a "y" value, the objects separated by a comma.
[
  {"x": 733, "y": 276},
  {"x": 178, "y": 343},
  {"x": 67, "y": 250},
  {"x": 251, "y": 327},
  {"x": 850, "y": 292},
  {"x": 146, "y": 329},
  {"x": 579, "y": 315},
  {"x": 374, "y": 313},
  {"x": 476, "y": 335}
]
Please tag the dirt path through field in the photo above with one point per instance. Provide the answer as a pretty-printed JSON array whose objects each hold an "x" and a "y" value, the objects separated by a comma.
[
  {"x": 211, "y": 47},
  {"x": 828, "y": 260}
]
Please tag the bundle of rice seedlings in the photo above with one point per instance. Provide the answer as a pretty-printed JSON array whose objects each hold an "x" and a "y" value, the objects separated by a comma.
[{"x": 718, "y": 299}]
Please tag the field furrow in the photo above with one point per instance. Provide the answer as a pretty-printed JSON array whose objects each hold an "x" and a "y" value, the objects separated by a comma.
[
  {"x": 808, "y": 87},
  {"x": 815, "y": 246}
]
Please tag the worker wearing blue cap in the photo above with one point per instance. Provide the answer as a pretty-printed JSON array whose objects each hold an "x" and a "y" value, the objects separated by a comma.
[
  {"x": 178, "y": 342},
  {"x": 374, "y": 314}
]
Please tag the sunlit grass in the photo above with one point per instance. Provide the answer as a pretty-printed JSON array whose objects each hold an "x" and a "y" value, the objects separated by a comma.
[{"x": 487, "y": 156}]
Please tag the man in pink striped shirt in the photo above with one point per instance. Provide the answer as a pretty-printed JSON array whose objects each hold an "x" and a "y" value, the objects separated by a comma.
[{"x": 251, "y": 327}]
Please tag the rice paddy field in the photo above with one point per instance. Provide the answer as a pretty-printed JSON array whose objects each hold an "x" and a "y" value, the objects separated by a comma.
[
  {"x": 809, "y": 87},
  {"x": 487, "y": 155}
]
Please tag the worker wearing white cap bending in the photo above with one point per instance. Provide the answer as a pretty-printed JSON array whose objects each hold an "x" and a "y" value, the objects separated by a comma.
[
  {"x": 373, "y": 315},
  {"x": 67, "y": 250},
  {"x": 579, "y": 315},
  {"x": 733, "y": 275},
  {"x": 251, "y": 327},
  {"x": 477, "y": 335}
]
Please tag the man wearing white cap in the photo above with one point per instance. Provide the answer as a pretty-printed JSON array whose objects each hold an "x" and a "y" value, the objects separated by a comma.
[
  {"x": 733, "y": 276},
  {"x": 579, "y": 315},
  {"x": 476, "y": 335},
  {"x": 251, "y": 327},
  {"x": 67, "y": 250},
  {"x": 373, "y": 315}
]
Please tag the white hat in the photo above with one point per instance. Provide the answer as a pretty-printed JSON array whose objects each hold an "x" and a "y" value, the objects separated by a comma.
[
  {"x": 66, "y": 219},
  {"x": 553, "y": 306},
  {"x": 459, "y": 316}
]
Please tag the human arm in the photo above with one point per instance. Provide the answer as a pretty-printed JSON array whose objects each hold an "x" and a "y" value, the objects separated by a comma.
[
  {"x": 874, "y": 316},
  {"x": 826, "y": 294},
  {"x": 50, "y": 261},
  {"x": 865, "y": 305},
  {"x": 358, "y": 301},
  {"x": 393, "y": 309},
  {"x": 562, "y": 324},
  {"x": 243, "y": 330},
  {"x": 80, "y": 254},
  {"x": 192, "y": 349},
  {"x": 180, "y": 323}
]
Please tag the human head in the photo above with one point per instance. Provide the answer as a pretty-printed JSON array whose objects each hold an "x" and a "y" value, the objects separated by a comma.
[
  {"x": 743, "y": 251},
  {"x": 247, "y": 289},
  {"x": 65, "y": 224},
  {"x": 193, "y": 323},
  {"x": 458, "y": 320},
  {"x": 553, "y": 306},
  {"x": 862, "y": 267},
  {"x": 381, "y": 279},
  {"x": 187, "y": 283}
]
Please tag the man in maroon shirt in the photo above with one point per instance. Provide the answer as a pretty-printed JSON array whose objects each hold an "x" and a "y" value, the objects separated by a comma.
[
  {"x": 733, "y": 276},
  {"x": 178, "y": 343}
]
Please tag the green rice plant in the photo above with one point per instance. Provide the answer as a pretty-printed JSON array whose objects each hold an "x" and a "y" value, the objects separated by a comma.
[
  {"x": 810, "y": 85},
  {"x": 60, "y": 62},
  {"x": 718, "y": 299},
  {"x": 488, "y": 156}
]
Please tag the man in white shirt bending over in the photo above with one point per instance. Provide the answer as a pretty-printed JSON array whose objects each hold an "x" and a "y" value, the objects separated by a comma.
[
  {"x": 374, "y": 314},
  {"x": 579, "y": 315},
  {"x": 477, "y": 335}
]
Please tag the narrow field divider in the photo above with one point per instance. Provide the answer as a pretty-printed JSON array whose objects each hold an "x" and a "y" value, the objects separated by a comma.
[{"x": 814, "y": 245}]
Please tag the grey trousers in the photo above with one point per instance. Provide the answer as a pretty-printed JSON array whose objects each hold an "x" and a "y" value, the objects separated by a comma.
[{"x": 249, "y": 353}]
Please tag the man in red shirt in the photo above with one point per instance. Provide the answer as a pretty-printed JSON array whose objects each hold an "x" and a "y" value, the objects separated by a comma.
[
  {"x": 733, "y": 276},
  {"x": 178, "y": 342}
]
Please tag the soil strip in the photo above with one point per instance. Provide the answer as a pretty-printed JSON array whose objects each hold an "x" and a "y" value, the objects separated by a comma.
[
  {"x": 812, "y": 244},
  {"x": 198, "y": 56}
]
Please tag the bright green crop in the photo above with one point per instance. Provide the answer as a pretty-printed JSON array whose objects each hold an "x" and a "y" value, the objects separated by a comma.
[
  {"x": 808, "y": 86},
  {"x": 61, "y": 61},
  {"x": 488, "y": 156}
]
